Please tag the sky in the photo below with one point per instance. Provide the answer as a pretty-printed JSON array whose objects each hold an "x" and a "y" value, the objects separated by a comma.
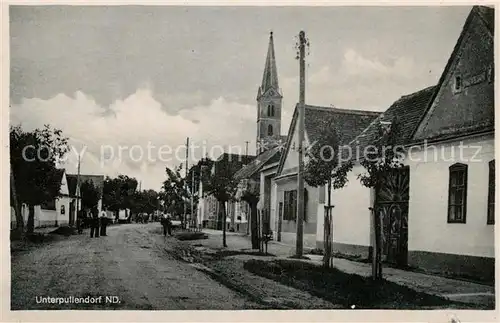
[{"x": 128, "y": 84}]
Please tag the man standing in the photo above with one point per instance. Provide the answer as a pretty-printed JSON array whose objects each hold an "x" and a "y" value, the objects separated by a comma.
[{"x": 104, "y": 223}]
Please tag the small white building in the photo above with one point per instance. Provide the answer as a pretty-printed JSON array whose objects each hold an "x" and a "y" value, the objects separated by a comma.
[{"x": 348, "y": 123}]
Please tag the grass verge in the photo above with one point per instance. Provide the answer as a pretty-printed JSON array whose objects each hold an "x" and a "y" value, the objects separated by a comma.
[{"x": 345, "y": 289}]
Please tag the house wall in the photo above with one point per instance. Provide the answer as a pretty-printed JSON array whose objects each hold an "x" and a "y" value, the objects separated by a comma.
[
  {"x": 62, "y": 218},
  {"x": 463, "y": 249},
  {"x": 351, "y": 217},
  {"x": 433, "y": 243},
  {"x": 289, "y": 228}
]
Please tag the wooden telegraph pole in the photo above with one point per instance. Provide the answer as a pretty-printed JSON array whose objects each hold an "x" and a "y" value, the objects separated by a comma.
[
  {"x": 300, "y": 173},
  {"x": 185, "y": 184},
  {"x": 77, "y": 191}
]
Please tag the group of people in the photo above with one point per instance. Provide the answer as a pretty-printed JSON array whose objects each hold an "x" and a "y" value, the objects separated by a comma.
[{"x": 96, "y": 223}]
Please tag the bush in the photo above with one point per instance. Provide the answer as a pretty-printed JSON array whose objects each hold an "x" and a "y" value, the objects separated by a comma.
[
  {"x": 191, "y": 236},
  {"x": 317, "y": 251}
]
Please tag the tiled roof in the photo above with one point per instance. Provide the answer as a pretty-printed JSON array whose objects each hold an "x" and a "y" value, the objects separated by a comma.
[
  {"x": 408, "y": 111},
  {"x": 265, "y": 158},
  {"x": 348, "y": 123}
]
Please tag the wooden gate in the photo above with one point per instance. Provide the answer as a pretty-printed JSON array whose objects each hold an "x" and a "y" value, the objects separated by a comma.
[{"x": 391, "y": 204}]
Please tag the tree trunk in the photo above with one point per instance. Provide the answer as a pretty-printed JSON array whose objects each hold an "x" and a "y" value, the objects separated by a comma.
[
  {"x": 328, "y": 229},
  {"x": 31, "y": 219},
  {"x": 17, "y": 209},
  {"x": 224, "y": 224},
  {"x": 254, "y": 225}
]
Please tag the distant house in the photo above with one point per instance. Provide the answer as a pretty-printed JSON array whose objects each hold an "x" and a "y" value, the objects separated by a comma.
[
  {"x": 348, "y": 123},
  {"x": 75, "y": 194},
  {"x": 211, "y": 218},
  {"x": 437, "y": 211},
  {"x": 51, "y": 213},
  {"x": 261, "y": 170}
]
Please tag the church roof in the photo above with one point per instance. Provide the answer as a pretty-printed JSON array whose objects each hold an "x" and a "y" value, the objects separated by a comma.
[{"x": 270, "y": 77}]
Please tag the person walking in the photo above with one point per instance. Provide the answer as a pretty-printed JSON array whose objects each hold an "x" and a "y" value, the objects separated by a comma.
[
  {"x": 104, "y": 223},
  {"x": 169, "y": 225},
  {"x": 163, "y": 222},
  {"x": 94, "y": 223}
]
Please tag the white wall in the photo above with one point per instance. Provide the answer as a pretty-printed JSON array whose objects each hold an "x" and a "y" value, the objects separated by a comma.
[
  {"x": 351, "y": 215},
  {"x": 428, "y": 208}
]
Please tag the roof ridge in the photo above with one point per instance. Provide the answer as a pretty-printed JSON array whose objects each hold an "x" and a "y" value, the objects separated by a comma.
[
  {"x": 341, "y": 110},
  {"x": 407, "y": 96}
]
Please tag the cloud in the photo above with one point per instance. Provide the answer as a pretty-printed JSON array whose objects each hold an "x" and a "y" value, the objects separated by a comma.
[
  {"x": 136, "y": 136},
  {"x": 359, "y": 82}
]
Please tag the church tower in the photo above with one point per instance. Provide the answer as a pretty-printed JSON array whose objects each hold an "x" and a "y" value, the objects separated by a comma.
[{"x": 269, "y": 104}]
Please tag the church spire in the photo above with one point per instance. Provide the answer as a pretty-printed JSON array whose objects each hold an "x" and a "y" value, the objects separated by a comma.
[{"x": 270, "y": 77}]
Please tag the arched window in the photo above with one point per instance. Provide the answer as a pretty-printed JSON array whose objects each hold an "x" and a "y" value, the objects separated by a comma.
[
  {"x": 270, "y": 110},
  {"x": 457, "y": 193},
  {"x": 270, "y": 130}
]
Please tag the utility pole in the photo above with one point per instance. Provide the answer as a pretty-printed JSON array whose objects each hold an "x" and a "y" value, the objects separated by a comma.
[
  {"x": 193, "y": 218},
  {"x": 246, "y": 147},
  {"x": 300, "y": 173},
  {"x": 185, "y": 181},
  {"x": 78, "y": 195}
]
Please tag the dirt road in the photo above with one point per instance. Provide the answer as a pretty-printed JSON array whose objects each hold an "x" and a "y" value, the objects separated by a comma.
[{"x": 130, "y": 263}]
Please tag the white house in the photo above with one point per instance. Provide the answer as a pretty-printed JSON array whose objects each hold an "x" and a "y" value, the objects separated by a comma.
[
  {"x": 52, "y": 213},
  {"x": 437, "y": 211},
  {"x": 348, "y": 123}
]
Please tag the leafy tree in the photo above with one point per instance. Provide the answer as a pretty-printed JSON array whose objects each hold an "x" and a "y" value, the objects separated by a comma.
[
  {"x": 199, "y": 171},
  {"x": 33, "y": 157},
  {"x": 222, "y": 184},
  {"x": 249, "y": 191},
  {"x": 382, "y": 158},
  {"x": 175, "y": 192},
  {"x": 91, "y": 194},
  {"x": 118, "y": 193},
  {"x": 324, "y": 167},
  {"x": 145, "y": 201}
]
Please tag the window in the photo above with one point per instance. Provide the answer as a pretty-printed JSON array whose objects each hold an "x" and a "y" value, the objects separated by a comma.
[
  {"x": 270, "y": 130},
  {"x": 458, "y": 83},
  {"x": 290, "y": 205},
  {"x": 63, "y": 209},
  {"x": 457, "y": 198},
  {"x": 491, "y": 193}
]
